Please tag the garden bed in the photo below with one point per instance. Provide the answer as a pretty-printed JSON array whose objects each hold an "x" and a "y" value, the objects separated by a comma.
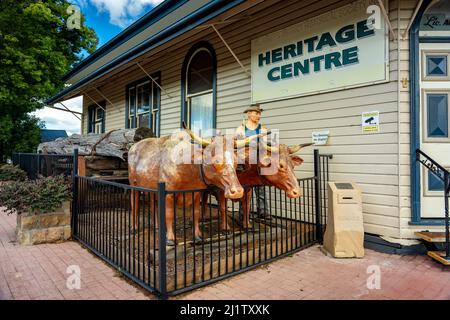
[{"x": 44, "y": 228}]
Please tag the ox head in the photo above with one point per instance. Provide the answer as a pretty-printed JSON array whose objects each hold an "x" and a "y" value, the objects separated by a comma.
[
  {"x": 284, "y": 159},
  {"x": 219, "y": 163}
]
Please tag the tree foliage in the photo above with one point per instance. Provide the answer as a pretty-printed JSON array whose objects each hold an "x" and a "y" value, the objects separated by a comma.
[{"x": 36, "y": 50}]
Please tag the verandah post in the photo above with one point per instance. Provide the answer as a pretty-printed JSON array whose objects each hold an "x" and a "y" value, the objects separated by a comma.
[
  {"x": 162, "y": 276},
  {"x": 317, "y": 195},
  {"x": 75, "y": 192}
]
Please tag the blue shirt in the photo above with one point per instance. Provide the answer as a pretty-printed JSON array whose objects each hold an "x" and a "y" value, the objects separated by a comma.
[{"x": 250, "y": 132}]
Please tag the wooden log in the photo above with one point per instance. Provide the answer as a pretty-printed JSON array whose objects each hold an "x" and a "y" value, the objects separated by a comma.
[
  {"x": 114, "y": 143},
  {"x": 104, "y": 163}
]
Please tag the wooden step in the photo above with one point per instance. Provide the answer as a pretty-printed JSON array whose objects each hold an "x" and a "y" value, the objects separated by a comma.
[
  {"x": 439, "y": 256},
  {"x": 431, "y": 236}
]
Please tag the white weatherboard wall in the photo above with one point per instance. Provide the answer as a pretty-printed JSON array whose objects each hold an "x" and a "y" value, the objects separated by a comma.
[{"x": 370, "y": 160}]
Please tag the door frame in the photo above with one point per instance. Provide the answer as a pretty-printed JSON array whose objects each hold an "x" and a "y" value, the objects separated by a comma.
[{"x": 415, "y": 109}]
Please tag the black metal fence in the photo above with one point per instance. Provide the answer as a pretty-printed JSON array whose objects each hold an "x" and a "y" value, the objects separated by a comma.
[
  {"x": 35, "y": 164},
  {"x": 126, "y": 226},
  {"x": 322, "y": 171}
]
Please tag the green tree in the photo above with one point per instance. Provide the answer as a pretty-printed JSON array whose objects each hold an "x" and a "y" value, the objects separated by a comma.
[{"x": 36, "y": 50}]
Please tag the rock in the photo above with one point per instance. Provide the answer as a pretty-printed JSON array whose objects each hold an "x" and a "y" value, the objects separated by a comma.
[{"x": 44, "y": 227}]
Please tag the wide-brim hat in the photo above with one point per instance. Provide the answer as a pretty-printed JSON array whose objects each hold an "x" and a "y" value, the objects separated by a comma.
[{"x": 254, "y": 107}]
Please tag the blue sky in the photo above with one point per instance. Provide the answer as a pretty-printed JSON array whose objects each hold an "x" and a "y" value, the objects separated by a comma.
[
  {"x": 107, "y": 18},
  {"x": 99, "y": 21}
]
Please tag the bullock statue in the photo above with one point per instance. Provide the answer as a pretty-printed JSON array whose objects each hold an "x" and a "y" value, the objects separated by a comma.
[
  {"x": 156, "y": 160},
  {"x": 282, "y": 160}
]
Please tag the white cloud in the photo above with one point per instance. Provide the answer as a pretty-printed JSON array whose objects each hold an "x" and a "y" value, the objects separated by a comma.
[
  {"x": 81, "y": 3},
  {"x": 55, "y": 119},
  {"x": 122, "y": 12}
]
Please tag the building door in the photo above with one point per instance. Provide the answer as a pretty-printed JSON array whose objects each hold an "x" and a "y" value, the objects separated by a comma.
[
  {"x": 429, "y": 45},
  {"x": 434, "y": 102},
  {"x": 434, "y": 122}
]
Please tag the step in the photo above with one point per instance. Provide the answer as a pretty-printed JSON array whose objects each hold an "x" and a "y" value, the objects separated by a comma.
[
  {"x": 439, "y": 256},
  {"x": 431, "y": 236}
]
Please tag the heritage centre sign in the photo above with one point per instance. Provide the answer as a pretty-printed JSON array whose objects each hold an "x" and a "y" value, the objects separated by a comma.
[{"x": 339, "y": 49}]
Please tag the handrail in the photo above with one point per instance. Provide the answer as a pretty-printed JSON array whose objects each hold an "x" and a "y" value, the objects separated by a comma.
[
  {"x": 437, "y": 167},
  {"x": 444, "y": 175}
]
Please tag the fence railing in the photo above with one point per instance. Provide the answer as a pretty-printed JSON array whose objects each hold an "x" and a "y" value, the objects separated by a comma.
[
  {"x": 205, "y": 242},
  {"x": 35, "y": 164},
  {"x": 322, "y": 172}
]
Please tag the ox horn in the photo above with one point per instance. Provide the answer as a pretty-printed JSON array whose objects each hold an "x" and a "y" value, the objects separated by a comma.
[
  {"x": 246, "y": 141},
  {"x": 270, "y": 148},
  {"x": 296, "y": 148},
  {"x": 196, "y": 138}
]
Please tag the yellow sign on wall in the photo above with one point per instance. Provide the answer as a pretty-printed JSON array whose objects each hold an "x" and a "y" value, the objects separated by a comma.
[
  {"x": 370, "y": 122},
  {"x": 343, "y": 48}
]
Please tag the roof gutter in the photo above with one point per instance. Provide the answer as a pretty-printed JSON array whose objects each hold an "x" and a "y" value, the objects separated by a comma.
[{"x": 198, "y": 17}]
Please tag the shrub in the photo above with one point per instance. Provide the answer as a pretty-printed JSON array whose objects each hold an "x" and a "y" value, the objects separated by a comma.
[
  {"x": 35, "y": 196},
  {"x": 8, "y": 172}
]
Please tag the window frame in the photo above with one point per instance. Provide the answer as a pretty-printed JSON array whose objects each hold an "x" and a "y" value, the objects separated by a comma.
[
  {"x": 185, "y": 106},
  {"x": 154, "y": 103},
  {"x": 93, "y": 122}
]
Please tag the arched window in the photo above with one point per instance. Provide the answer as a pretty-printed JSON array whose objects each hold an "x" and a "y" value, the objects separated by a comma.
[{"x": 199, "y": 88}]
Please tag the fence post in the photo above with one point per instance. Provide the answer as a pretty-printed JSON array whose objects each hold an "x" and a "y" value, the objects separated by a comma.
[
  {"x": 75, "y": 193},
  {"x": 162, "y": 276},
  {"x": 317, "y": 195},
  {"x": 38, "y": 170}
]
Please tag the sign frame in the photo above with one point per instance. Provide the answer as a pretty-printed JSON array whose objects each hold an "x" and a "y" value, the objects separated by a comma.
[{"x": 323, "y": 16}]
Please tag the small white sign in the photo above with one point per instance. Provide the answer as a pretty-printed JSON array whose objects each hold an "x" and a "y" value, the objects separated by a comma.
[
  {"x": 320, "y": 138},
  {"x": 370, "y": 122}
]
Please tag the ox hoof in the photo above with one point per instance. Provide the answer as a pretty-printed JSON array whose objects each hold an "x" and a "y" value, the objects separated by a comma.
[
  {"x": 198, "y": 240},
  {"x": 170, "y": 243},
  {"x": 249, "y": 229}
]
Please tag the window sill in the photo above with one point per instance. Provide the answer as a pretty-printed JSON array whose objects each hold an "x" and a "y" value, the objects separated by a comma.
[{"x": 428, "y": 222}]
